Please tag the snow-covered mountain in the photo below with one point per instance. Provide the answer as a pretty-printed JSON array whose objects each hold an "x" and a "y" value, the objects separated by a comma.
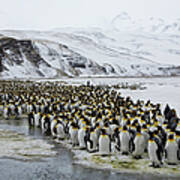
[
  {"x": 123, "y": 22},
  {"x": 127, "y": 48}
]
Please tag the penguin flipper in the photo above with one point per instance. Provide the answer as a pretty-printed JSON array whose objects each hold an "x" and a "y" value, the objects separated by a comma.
[
  {"x": 91, "y": 143},
  {"x": 178, "y": 154},
  {"x": 86, "y": 140},
  {"x": 165, "y": 153},
  {"x": 159, "y": 155},
  {"x": 179, "y": 144},
  {"x": 131, "y": 145},
  {"x": 119, "y": 143},
  {"x": 109, "y": 144}
]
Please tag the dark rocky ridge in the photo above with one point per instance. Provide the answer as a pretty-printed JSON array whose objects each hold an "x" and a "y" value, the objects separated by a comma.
[{"x": 15, "y": 52}]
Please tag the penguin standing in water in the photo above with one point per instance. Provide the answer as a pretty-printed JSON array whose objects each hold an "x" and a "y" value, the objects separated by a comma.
[
  {"x": 154, "y": 151},
  {"x": 104, "y": 143},
  {"x": 125, "y": 141},
  {"x": 171, "y": 151},
  {"x": 139, "y": 143}
]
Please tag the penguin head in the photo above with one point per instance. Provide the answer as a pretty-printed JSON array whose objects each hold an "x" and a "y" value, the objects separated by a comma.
[
  {"x": 165, "y": 123},
  {"x": 144, "y": 127},
  {"x": 151, "y": 136},
  {"x": 117, "y": 130},
  {"x": 115, "y": 121},
  {"x": 74, "y": 125},
  {"x": 103, "y": 132},
  {"x": 92, "y": 129},
  {"x": 97, "y": 125},
  {"x": 128, "y": 123},
  {"x": 171, "y": 138},
  {"x": 138, "y": 129},
  {"x": 177, "y": 134},
  {"x": 124, "y": 128}
]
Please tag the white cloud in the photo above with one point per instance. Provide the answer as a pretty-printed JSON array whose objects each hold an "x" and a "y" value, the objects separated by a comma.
[{"x": 48, "y": 14}]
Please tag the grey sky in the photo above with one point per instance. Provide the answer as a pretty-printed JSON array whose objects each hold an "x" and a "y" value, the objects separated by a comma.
[{"x": 49, "y": 14}]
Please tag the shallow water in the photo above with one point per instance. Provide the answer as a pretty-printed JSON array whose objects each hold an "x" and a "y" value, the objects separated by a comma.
[{"x": 59, "y": 167}]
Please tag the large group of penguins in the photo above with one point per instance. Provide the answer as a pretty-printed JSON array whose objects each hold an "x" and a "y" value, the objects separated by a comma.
[{"x": 95, "y": 118}]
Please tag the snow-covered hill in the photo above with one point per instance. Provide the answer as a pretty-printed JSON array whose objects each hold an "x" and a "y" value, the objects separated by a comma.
[
  {"x": 123, "y": 22},
  {"x": 125, "y": 49}
]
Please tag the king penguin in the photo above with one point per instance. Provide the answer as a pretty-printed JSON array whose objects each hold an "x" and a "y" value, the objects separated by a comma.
[
  {"x": 104, "y": 143},
  {"x": 154, "y": 151},
  {"x": 73, "y": 132},
  {"x": 125, "y": 141},
  {"x": 171, "y": 151},
  {"x": 91, "y": 141},
  {"x": 139, "y": 143}
]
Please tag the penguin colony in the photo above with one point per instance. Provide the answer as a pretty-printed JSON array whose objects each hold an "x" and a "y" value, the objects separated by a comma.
[{"x": 94, "y": 118}]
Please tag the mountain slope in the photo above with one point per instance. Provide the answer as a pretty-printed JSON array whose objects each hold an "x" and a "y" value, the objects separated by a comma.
[{"x": 89, "y": 52}]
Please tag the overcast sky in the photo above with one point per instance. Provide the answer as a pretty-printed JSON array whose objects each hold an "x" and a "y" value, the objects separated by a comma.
[{"x": 50, "y": 14}]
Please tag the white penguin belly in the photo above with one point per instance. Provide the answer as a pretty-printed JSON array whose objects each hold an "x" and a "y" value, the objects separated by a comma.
[
  {"x": 81, "y": 135},
  {"x": 73, "y": 136},
  {"x": 172, "y": 149},
  {"x": 139, "y": 145},
  {"x": 60, "y": 131},
  {"x": 93, "y": 138},
  {"x": 104, "y": 143},
  {"x": 124, "y": 139},
  {"x": 152, "y": 148}
]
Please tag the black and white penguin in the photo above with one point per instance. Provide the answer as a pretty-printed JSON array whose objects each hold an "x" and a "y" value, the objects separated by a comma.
[
  {"x": 166, "y": 111},
  {"x": 139, "y": 144},
  {"x": 125, "y": 141},
  {"x": 37, "y": 117},
  {"x": 104, "y": 143},
  {"x": 6, "y": 112},
  {"x": 177, "y": 138},
  {"x": 1, "y": 108},
  {"x": 171, "y": 151},
  {"x": 52, "y": 127},
  {"x": 81, "y": 137},
  {"x": 91, "y": 141},
  {"x": 31, "y": 119},
  {"x": 18, "y": 111},
  {"x": 46, "y": 124},
  {"x": 60, "y": 130},
  {"x": 116, "y": 139},
  {"x": 154, "y": 151},
  {"x": 73, "y": 133},
  {"x": 146, "y": 136}
]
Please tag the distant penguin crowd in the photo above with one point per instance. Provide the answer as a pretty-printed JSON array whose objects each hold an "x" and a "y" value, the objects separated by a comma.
[{"x": 96, "y": 119}]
